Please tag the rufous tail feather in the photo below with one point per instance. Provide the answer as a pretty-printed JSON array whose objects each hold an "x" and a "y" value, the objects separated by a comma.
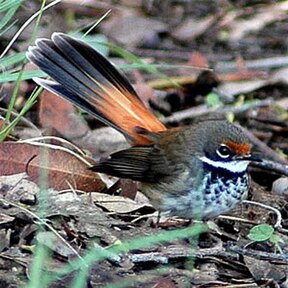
[{"x": 90, "y": 81}]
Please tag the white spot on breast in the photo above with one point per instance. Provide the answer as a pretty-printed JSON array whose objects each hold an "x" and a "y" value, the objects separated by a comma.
[{"x": 221, "y": 196}]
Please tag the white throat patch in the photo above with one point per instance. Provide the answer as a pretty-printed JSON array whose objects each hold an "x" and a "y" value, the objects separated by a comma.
[{"x": 232, "y": 166}]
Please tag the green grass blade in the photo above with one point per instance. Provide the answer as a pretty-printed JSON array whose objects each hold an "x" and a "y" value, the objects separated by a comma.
[
  {"x": 6, "y": 18},
  {"x": 101, "y": 254},
  {"x": 9, "y": 4},
  {"x": 12, "y": 60},
  {"x": 13, "y": 76},
  {"x": 136, "y": 60}
]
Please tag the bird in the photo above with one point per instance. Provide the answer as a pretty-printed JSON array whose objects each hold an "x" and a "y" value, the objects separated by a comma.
[{"x": 191, "y": 172}]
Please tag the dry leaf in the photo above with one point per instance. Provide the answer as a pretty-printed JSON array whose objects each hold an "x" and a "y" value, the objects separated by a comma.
[
  {"x": 63, "y": 169},
  {"x": 117, "y": 204},
  {"x": 53, "y": 242},
  {"x": 61, "y": 115},
  {"x": 280, "y": 186},
  {"x": 131, "y": 30},
  {"x": 241, "y": 87},
  {"x": 262, "y": 270},
  {"x": 165, "y": 282},
  {"x": 198, "y": 59},
  {"x": 16, "y": 188},
  {"x": 192, "y": 28},
  {"x": 257, "y": 20}
]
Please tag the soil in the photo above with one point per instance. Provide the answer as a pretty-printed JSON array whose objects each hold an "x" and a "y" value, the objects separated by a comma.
[{"x": 245, "y": 44}]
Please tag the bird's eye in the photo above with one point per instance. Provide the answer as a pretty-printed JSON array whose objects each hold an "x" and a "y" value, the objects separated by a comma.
[{"x": 223, "y": 151}]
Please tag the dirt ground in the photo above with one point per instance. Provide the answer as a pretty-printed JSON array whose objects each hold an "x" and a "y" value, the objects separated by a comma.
[{"x": 224, "y": 59}]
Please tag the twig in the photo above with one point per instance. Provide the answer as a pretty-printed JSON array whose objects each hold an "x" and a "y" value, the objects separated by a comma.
[
  {"x": 15, "y": 259},
  {"x": 174, "y": 252},
  {"x": 33, "y": 141},
  {"x": 278, "y": 214},
  {"x": 23, "y": 119},
  {"x": 269, "y": 153},
  {"x": 23, "y": 27},
  {"x": 272, "y": 166},
  {"x": 48, "y": 226},
  {"x": 238, "y": 219},
  {"x": 38, "y": 140},
  {"x": 268, "y": 63},
  {"x": 203, "y": 110},
  {"x": 259, "y": 254},
  {"x": 222, "y": 65}
]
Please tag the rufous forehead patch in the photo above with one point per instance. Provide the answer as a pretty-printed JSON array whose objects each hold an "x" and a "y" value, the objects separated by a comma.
[{"x": 239, "y": 148}]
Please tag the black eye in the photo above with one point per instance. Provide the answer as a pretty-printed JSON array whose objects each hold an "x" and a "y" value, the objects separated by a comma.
[{"x": 224, "y": 152}]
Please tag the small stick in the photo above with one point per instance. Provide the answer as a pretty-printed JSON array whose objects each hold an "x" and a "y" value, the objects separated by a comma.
[
  {"x": 203, "y": 110},
  {"x": 276, "y": 211},
  {"x": 259, "y": 254},
  {"x": 267, "y": 151},
  {"x": 272, "y": 166}
]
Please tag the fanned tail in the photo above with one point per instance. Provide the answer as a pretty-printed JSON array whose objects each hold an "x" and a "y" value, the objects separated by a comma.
[{"x": 90, "y": 81}]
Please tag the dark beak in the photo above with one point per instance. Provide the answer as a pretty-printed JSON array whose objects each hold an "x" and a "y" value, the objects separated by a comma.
[{"x": 251, "y": 157}]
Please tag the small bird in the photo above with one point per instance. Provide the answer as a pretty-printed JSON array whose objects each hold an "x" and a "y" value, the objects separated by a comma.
[{"x": 198, "y": 171}]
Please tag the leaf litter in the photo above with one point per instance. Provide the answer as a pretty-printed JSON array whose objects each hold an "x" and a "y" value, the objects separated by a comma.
[{"x": 90, "y": 211}]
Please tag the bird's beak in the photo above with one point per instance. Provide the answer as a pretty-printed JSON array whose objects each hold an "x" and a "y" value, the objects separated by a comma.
[{"x": 250, "y": 157}]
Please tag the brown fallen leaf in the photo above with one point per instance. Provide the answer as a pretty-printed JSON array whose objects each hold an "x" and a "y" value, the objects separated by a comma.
[
  {"x": 192, "y": 28},
  {"x": 198, "y": 59},
  {"x": 128, "y": 187},
  {"x": 280, "y": 186},
  {"x": 57, "y": 113},
  {"x": 131, "y": 30},
  {"x": 17, "y": 188},
  {"x": 241, "y": 87},
  {"x": 54, "y": 243},
  {"x": 243, "y": 82},
  {"x": 63, "y": 169},
  {"x": 265, "y": 270},
  {"x": 261, "y": 17},
  {"x": 165, "y": 282},
  {"x": 118, "y": 204}
]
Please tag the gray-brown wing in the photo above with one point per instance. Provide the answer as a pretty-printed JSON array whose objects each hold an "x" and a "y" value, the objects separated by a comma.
[{"x": 140, "y": 163}]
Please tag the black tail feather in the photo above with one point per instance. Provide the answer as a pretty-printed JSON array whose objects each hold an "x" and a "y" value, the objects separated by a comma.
[{"x": 89, "y": 80}]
